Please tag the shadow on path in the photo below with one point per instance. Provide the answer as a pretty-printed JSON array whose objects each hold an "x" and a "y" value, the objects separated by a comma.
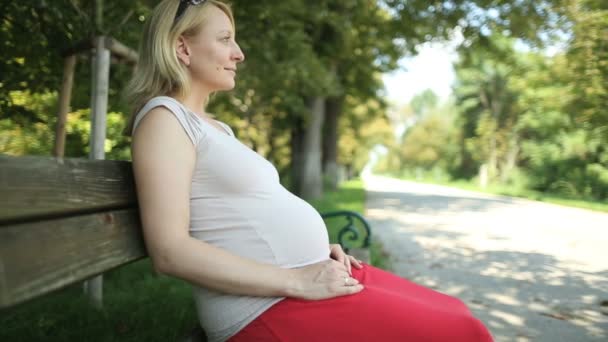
[{"x": 447, "y": 242}]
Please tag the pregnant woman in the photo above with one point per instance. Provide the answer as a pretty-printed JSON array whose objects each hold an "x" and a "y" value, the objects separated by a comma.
[{"x": 215, "y": 214}]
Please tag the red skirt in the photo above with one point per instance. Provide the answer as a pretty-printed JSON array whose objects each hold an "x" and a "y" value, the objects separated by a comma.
[{"x": 389, "y": 308}]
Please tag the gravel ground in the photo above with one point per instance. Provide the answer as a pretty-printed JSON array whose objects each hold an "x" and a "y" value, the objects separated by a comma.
[{"x": 530, "y": 271}]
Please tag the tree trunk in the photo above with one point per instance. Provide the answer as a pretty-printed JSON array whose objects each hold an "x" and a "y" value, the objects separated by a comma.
[
  {"x": 272, "y": 148},
  {"x": 312, "y": 180},
  {"x": 333, "y": 109},
  {"x": 297, "y": 156},
  {"x": 493, "y": 158},
  {"x": 511, "y": 159}
]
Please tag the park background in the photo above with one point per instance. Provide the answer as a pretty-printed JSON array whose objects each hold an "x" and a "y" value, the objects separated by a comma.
[
  {"x": 525, "y": 113},
  {"x": 527, "y": 103}
]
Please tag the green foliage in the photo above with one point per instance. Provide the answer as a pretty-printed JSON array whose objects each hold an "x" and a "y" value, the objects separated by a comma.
[
  {"x": 479, "y": 20},
  {"x": 519, "y": 111},
  {"x": 423, "y": 102},
  {"x": 31, "y": 72},
  {"x": 428, "y": 143},
  {"x": 364, "y": 126},
  {"x": 27, "y": 138},
  {"x": 488, "y": 109},
  {"x": 537, "y": 122},
  {"x": 566, "y": 128},
  {"x": 49, "y": 29},
  {"x": 30, "y": 127},
  {"x": 588, "y": 62}
]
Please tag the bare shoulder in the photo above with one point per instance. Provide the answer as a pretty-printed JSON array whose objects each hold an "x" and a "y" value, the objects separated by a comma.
[
  {"x": 160, "y": 129},
  {"x": 158, "y": 120},
  {"x": 160, "y": 143}
]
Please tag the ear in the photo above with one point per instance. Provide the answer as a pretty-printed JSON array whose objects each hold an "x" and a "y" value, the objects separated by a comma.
[{"x": 183, "y": 51}]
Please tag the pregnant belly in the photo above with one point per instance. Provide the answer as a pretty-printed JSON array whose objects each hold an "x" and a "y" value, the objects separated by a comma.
[
  {"x": 276, "y": 227},
  {"x": 300, "y": 235}
]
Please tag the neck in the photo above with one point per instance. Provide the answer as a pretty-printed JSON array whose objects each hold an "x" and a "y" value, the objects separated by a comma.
[{"x": 195, "y": 99}]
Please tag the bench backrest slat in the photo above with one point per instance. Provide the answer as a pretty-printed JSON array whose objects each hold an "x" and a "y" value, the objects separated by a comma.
[
  {"x": 39, "y": 257},
  {"x": 63, "y": 221},
  {"x": 38, "y": 187}
]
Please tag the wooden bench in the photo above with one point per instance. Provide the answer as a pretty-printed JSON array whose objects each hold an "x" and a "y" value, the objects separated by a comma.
[{"x": 63, "y": 221}]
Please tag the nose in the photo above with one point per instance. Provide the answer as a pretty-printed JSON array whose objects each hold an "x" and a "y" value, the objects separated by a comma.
[{"x": 237, "y": 54}]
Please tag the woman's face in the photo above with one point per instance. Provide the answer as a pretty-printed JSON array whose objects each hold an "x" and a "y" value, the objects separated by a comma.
[{"x": 212, "y": 54}]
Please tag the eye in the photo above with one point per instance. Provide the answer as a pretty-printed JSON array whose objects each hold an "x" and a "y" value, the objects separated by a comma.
[{"x": 226, "y": 39}]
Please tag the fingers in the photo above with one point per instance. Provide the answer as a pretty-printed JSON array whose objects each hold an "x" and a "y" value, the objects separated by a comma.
[
  {"x": 341, "y": 273},
  {"x": 336, "y": 271},
  {"x": 341, "y": 257},
  {"x": 347, "y": 264},
  {"x": 349, "y": 281},
  {"x": 331, "y": 279},
  {"x": 347, "y": 291},
  {"x": 352, "y": 287},
  {"x": 337, "y": 253},
  {"x": 354, "y": 261}
]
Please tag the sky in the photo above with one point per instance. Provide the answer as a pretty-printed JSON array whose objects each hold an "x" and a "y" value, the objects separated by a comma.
[{"x": 431, "y": 69}]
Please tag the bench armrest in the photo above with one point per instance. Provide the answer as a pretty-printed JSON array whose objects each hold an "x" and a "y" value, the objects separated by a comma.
[{"x": 353, "y": 232}]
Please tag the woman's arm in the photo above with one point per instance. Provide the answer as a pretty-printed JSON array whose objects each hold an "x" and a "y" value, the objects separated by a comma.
[{"x": 163, "y": 163}]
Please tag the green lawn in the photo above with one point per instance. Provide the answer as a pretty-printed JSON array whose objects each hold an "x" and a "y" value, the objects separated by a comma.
[
  {"x": 139, "y": 305},
  {"x": 518, "y": 192}
]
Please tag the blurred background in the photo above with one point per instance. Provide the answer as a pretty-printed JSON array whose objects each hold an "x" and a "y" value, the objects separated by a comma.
[{"x": 502, "y": 94}]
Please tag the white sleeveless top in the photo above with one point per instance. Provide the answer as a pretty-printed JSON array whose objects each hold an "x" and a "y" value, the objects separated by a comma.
[{"x": 238, "y": 204}]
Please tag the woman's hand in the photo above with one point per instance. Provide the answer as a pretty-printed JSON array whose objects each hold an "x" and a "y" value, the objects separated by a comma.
[
  {"x": 338, "y": 254},
  {"x": 323, "y": 280}
]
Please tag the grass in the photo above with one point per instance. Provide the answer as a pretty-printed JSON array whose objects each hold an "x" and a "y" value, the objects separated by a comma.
[
  {"x": 518, "y": 192},
  {"x": 139, "y": 305}
]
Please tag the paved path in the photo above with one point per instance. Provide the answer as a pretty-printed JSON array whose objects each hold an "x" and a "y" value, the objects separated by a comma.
[{"x": 531, "y": 271}]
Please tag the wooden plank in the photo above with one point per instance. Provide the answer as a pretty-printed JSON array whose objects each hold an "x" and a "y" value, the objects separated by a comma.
[
  {"x": 118, "y": 49},
  {"x": 39, "y": 257},
  {"x": 121, "y": 50},
  {"x": 65, "y": 95},
  {"x": 32, "y": 188}
]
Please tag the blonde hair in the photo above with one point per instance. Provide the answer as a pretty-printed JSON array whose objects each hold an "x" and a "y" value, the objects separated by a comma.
[{"x": 158, "y": 71}]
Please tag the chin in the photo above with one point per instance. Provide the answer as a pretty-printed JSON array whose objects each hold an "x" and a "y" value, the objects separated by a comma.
[{"x": 225, "y": 86}]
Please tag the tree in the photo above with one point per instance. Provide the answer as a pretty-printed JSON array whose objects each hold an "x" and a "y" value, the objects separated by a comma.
[
  {"x": 488, "y": 112},
  {"x": 34, "y": 70}
]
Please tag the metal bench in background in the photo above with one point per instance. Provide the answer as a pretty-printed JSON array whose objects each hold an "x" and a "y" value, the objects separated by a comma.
[{"x": 355, "y": 235}]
